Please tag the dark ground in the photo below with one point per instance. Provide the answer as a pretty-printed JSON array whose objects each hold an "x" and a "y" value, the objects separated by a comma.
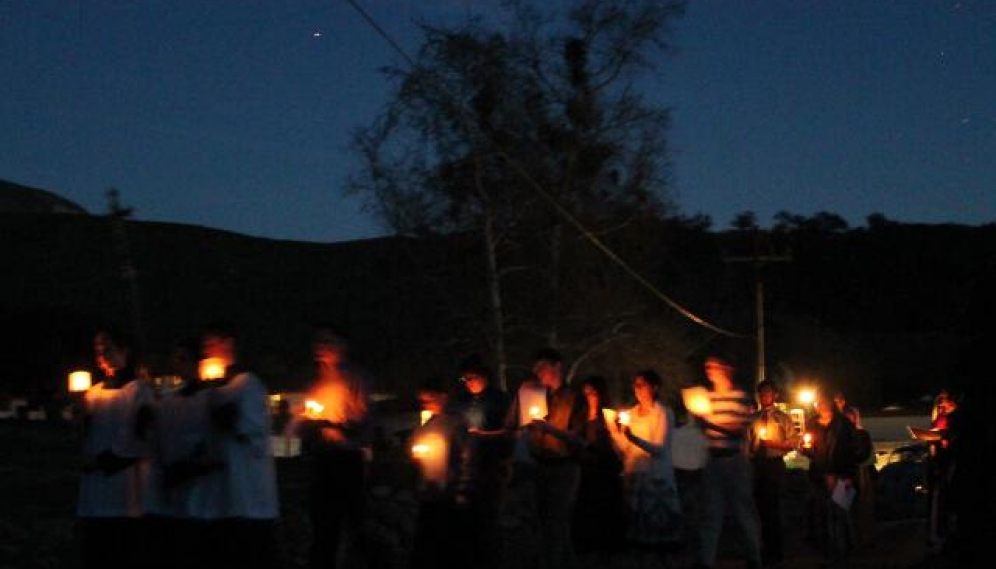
[{"x": 38, "y": 494}]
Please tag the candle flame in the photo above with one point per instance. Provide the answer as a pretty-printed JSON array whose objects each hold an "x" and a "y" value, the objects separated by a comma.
[
  {"x": 807, "y": 440},
  {"x": 211, "y": 368},
  {"x": 313, "y": 408},
  {"x": 807, "y": 396},
  {"x": 763, "y": 433},
  {"x": 421, "y": 450},
  {"x": 534, "y": 412},
  {"x": 424, "y": 416},
  {"x": 79, "y": 381},
  {"x": 624, "y": 417}
]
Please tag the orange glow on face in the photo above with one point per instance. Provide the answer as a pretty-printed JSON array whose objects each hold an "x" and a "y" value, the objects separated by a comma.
[{"x": 79, "y": 381}]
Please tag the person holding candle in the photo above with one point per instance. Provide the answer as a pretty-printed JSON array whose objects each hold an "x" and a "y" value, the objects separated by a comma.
[
  {"x": 240, "y": 414},
  {"x": 771, "y": 437},
  {"x": 335, "y": 440},
  {"x": 833, "y": 459},
  {"x": 599, "y": 515},
  {"x": 483, "y": 407},
  {"x": 444, "y": 534},
  {"x": 115, "y": 483},
  {"x": 726, "y": 478},
  {"x": 554, "y": 442},
  {"x": 186, "y": 466},
  {"x": 650, "y": 485},
  {"x": 947, "y": 423}
]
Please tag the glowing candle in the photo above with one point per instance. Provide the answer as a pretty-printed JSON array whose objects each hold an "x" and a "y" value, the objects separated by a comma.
[
  {"x": 610, "y": 415},
  {"x": 807, "y": 396},
  {"x": 424, "y": 416},
  {"x": 624, "y": 418},
  {"x": 532, "y": 403},
  {"x": 211, "y": 368},
  {"x": 79, "y": 381},
  {"x": 697, "y": 400},
  {"x": 313, "y": 409},
  {"x": 762, "y": 433},
  {"x": 807, "y": 440},
  {"x": 430, "y": 451}
]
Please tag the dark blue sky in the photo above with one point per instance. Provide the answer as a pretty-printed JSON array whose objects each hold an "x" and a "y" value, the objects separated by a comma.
[{"x": 235, "y": 114}]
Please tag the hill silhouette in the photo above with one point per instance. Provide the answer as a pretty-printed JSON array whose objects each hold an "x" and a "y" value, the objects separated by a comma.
[
  {"x": 15, "y": 198},
  {"x": 884, "y": 312}
]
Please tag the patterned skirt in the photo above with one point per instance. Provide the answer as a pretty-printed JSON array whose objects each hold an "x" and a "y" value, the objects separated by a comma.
[{"x": 654, "y": 509}]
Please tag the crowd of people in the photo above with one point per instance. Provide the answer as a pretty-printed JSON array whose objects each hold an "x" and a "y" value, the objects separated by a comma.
[{"x": 195, "y": 465}]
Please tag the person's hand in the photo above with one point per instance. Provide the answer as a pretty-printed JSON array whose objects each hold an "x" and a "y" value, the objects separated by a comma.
[{"x": 539, "y": 425}]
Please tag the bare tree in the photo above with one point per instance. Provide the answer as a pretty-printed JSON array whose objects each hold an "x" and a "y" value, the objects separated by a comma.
[{"x": 486, "y": 117}]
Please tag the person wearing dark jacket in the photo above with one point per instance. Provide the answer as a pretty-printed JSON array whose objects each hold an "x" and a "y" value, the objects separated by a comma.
[
  {"x": 483, "y": 407},
  {"x": 832, "y": 448}
]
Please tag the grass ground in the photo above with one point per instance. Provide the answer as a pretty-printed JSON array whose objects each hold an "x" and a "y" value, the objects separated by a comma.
[{"x": 38, "y": 477}]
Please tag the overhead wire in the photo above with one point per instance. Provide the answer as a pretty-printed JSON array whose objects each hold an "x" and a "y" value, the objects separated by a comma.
[{"x": 558, "y": 207}]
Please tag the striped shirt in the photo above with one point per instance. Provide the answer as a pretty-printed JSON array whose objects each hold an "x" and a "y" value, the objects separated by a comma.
[{"x": 727, "y": 426}]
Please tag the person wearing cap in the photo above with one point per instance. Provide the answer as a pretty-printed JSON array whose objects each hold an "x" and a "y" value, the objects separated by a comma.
[
  {"x": 443, "y": 530},
  {"x": 772, "y": 435},
  {"x": 483, "y": 407}
]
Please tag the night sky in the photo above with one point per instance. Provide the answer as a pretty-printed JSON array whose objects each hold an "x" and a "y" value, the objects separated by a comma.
[{"x": 236, "y": 114}]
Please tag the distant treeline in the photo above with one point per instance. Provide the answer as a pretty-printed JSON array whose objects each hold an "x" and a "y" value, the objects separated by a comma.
[{"x": 886, "y": 311}]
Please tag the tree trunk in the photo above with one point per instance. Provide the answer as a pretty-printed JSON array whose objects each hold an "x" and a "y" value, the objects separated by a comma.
[{"x": 494, "y": 289}]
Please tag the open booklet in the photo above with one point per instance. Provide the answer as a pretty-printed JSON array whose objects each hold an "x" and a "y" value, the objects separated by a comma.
[
  {"x": 923, "y": 434},
  {"x": 843, "y": 494}
]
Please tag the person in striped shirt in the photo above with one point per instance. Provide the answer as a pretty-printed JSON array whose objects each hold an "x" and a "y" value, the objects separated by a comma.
[{"x": 726, "y": 479}]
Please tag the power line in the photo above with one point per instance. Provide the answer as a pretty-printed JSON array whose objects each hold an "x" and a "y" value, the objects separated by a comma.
[{"x": 563, "y": 211}]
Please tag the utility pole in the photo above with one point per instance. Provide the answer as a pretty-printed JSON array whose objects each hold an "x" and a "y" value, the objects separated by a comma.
[
  {"x": 758, "y": 261},
  {"x": 118, "y": 214}
]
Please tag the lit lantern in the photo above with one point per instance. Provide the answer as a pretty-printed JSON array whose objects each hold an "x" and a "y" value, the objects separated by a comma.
[
  {"x": 624, "y": 418},
  {"x": 610, "y": 415},
  {"x": 807, "y": 396},
  {"x": 79, "y": 381},
  {"x": 807, "y": 440},
  {"x": 532, "y": 403},
  {"x": 431, "y": 453},
  {"x": 697, "y": 401},
  {"x": 424, "y": 416},
  {"x": 313, "y": 409},
  {"x": 211, "y": 369}
]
